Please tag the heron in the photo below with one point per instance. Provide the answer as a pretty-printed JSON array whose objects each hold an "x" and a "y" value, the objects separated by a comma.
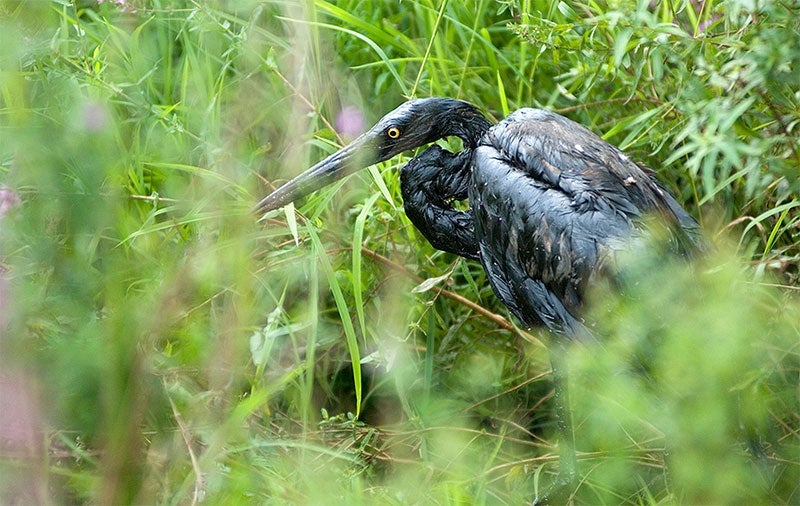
[{"x": 550, "y": 205}]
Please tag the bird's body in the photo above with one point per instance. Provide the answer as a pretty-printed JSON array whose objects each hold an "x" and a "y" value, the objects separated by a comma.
[{"x": 550, "y": 204}]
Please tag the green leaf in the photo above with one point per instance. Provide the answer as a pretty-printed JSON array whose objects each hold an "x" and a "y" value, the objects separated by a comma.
[
  {"x": 358, "y": 243},
  {"x": 344, "y": 314},
  {"x": 621, "y": 45},
  {"x": 430, "y": 283}
]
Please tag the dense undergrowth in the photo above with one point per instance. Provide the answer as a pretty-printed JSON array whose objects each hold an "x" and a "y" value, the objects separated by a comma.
[{"x": 158, "y": 344}]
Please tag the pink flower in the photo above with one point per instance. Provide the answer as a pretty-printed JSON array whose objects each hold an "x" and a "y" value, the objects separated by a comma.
[
  {"x": 350, "y": 122},
  {"x": 122, "y": 4},
  {"x": 95, "y": 116},
  {"x": 8, "y": 200}
]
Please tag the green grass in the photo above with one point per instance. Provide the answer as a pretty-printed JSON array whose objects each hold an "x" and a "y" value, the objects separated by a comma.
[{"x": 170, "y": 348}]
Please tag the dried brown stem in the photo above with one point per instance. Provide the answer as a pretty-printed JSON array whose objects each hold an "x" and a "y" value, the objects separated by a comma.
[{"x": 494, "y": 317}]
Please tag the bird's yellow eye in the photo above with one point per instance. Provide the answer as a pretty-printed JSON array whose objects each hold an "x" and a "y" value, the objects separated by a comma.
[{"x": 393, "y": 133}]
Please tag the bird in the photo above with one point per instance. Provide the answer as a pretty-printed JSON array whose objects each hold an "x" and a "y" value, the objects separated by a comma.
[
  {"x": 550, "y": 201},
  {"x": 550, "y": 207}
]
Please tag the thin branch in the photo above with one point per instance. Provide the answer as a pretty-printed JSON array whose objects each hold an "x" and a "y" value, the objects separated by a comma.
[
  {"x": 494, "y": 317},
  {"x": 153, "y": 198},
  {"x": 310, "y": 106},
  {"x": 197, "y": 495}
]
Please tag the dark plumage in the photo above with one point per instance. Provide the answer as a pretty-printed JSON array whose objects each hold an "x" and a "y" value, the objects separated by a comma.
[
  {"x": 429, "y": 184},
  {"x": 550, "y": 201},
  {"x": 550, "y": 204}
]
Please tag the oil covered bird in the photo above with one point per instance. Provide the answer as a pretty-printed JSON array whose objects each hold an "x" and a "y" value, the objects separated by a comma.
[{"x": 550, "y": 203}]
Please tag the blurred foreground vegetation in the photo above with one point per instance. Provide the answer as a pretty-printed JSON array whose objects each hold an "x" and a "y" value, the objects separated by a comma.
[{"x": 159, "y": 345}]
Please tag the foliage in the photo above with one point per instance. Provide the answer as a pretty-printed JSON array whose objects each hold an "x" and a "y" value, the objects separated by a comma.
[{"x": 171, "y": 348}]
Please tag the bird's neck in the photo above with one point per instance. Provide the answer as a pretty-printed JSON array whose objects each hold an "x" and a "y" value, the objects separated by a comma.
[
  {"x": 474, "y": 131},
  {"x": 469, "y": 126}
]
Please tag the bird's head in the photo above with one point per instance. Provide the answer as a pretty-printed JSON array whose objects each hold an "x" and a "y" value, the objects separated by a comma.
[{"x": 413, "y": 124}]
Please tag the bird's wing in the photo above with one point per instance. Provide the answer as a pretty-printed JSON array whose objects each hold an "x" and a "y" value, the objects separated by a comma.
[
  {"x": 596, "y": 174},
  {"x": 551, "y": 202},
  {"x": 429, "y": 184},
  {"x": 538, "y": 251},
  {"x": 569, "y": 157}
]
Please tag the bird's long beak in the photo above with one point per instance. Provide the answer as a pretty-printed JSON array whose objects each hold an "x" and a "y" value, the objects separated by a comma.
[{"x": 359, "y": 154}]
